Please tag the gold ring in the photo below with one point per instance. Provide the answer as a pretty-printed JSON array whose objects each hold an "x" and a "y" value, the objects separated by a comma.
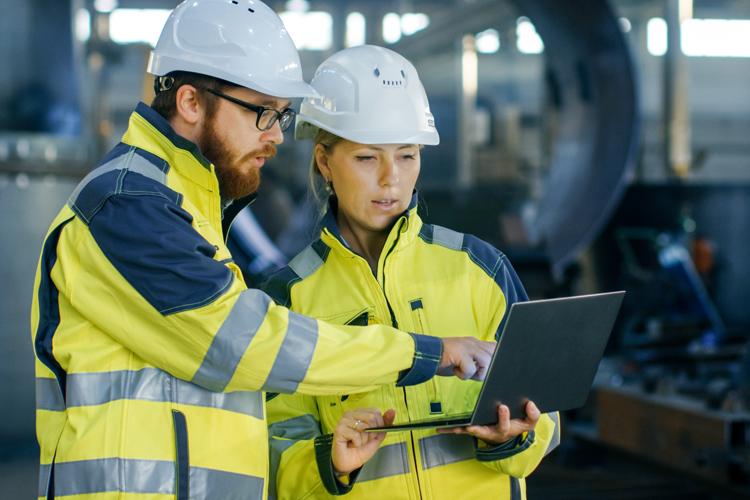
[{"x": 356, "y": 424}]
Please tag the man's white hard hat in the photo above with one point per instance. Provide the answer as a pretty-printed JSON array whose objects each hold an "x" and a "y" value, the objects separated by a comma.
[
  {"x": 370, "y": 95},
  {"x": 241, "y": 41}
]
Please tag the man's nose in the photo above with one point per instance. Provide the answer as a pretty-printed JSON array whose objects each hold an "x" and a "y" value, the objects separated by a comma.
[{"x": 273, "y": 135}]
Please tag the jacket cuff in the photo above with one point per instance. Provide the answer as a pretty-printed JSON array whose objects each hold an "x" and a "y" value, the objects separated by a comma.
[
  {"x": 506, "y": 449},
  {"x": 427, "y": 354},
  {"x": 332, "y": 484}
]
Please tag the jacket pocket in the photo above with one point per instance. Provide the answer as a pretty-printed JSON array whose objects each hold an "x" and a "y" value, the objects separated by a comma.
[
  {"x": 182, "y": 457},
  {"x": 345, "y": 317},
  {"x": 360, "y": 319}
]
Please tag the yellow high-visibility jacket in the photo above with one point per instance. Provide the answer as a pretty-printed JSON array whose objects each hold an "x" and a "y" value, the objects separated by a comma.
[
  {"x": 431, "y": 280},
  {"x": 152, "y": 355}
]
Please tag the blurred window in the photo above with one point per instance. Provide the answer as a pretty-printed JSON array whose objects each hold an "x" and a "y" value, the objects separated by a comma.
[
  {"x": 137, "y": 25},
  {"x": 310, "y": 30}
]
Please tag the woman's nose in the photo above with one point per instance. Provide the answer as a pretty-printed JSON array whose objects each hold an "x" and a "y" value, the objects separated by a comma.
[{"x": 389, "y": 172}]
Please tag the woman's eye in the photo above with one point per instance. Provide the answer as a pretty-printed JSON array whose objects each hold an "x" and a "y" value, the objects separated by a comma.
[
  {"x": 410, "y": 157},
  {"x": 365, "y": 158}
]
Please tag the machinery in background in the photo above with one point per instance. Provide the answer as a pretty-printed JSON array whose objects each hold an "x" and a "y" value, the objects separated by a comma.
[{"x": 675, "y": 387}]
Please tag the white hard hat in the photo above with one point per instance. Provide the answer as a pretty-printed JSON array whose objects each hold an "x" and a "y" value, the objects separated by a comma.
[
  {"x": 369, "y": 95},
  {"x": 240, "y": 41}
]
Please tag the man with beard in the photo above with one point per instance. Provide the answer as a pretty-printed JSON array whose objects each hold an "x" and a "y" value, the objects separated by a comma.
[{"x": 152, "y": 355}]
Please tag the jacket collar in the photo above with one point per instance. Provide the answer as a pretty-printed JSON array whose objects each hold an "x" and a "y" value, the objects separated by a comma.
[
  {"x": 409, "y": 223},
  {"x": 148, "y": 130}
]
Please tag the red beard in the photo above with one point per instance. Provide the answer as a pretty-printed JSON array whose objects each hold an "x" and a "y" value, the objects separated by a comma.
[{"x": 237, "y": 178}]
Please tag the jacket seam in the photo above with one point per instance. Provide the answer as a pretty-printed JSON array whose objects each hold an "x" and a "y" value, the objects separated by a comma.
[{"x": 200, "y": 303}]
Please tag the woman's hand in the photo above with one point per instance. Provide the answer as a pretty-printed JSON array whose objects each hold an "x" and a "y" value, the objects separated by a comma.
[
  {"x": 505, "y": 429},
  {"x": 352, "y": 447}
]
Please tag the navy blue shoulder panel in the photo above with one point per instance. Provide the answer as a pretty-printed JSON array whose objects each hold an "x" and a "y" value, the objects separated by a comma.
[
  {"x": 149, "y": 239},
  {"x": 279, "y": 284},
  {"x": 139, "y": 225},
  {"x": 491, "y": 260},
  {"x": 124, "y": 169}
]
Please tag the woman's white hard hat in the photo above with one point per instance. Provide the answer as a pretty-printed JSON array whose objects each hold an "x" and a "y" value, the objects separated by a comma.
[
  {"x": 241, "y": 41},
  {"x": 370, "y": 95}
]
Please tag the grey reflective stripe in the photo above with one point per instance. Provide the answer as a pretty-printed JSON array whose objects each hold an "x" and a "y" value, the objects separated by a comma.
[
  {"x": 130, "y": 161},
  {"x": 294, "y": 356},
  {"x": 302, "y": 427},
  {"x": 232, "y": 340},
  {"x": 140, "y": 165},
  {"x": 447, "y": 237},
  {"x": 283, "y": 435},
  {"x": 151, "y": 384},
  {"x": 306, "y": 262},
  {"x": 148, "y": 476},
  {"x": 280, "y": 440},
  {"x": 49, "y": 395},
  {"x": 555, "y": 441},
  {"x": 44, "y": 473},
  {"x": 209, "y": 484},
  {"x": 443, "y": 449},
  {"x": 388, "y": 461},
  {"x": 114, "y": 474}
]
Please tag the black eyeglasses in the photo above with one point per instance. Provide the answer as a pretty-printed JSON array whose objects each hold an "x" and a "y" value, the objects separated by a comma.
[{"x": 265, "y": 118}]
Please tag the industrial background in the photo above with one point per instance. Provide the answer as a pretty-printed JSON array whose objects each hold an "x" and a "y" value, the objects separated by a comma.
[{"x": 601, "y": 144}]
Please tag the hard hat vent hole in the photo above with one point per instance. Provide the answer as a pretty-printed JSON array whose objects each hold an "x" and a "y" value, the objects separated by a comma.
[
  {"x": 236, "y": 2},
  {"x": 403, "y": 74},
  {"x": 376, "y": 72}
]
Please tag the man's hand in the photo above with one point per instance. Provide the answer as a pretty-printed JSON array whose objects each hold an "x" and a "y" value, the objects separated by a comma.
[
  {"x": 466, "y": 357},
  {"x": 352, "y": 446},
  {"x": 505, "y": 428}
]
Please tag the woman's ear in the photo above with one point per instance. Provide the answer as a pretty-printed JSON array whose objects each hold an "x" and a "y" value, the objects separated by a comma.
[{"x": 321, "y": 160}]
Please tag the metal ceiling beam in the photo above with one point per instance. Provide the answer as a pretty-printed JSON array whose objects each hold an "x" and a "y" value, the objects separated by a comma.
[{"x": 451, "y": 23}]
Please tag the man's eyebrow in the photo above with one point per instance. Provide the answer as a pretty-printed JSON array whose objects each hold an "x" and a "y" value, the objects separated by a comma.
[{"x": 275, "y": 103}]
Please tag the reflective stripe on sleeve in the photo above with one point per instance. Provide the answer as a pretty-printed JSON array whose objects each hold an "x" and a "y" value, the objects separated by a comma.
[
  {"x": 555, "y": 441},
  {"x": 147, "y": 384},
  {"x": 232, "y": 340},
  {"x": 295, "y": 355},
  {"x": 443, "y": 449},
  {"x": 390, "y": 460},
  {"x": 147, "y": 476}
]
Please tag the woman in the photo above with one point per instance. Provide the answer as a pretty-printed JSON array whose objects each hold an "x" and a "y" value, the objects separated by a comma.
[{"x": 376, "y": 262}]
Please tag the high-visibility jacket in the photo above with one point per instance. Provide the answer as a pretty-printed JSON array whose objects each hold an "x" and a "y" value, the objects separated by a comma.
[
  {"x": 152, "y": 355},
  {"x": 432, "y": 280}
]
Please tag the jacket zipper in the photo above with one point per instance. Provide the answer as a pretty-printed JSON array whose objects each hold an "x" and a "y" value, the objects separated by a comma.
[{"x": 394, "y": 323}]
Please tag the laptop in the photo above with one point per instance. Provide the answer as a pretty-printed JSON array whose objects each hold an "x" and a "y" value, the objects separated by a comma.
[{"x": 548, "y": 353}]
